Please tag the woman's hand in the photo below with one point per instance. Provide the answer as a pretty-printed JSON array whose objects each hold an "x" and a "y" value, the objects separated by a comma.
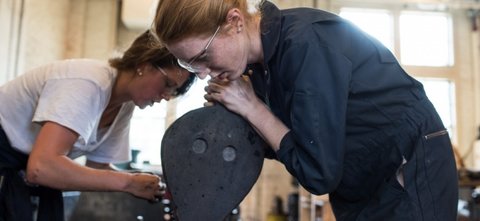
[
  {"x": 237, "y": 96},
  {"x": 146, "y": 186}
]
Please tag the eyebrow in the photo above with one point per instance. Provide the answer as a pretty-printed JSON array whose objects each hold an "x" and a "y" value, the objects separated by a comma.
[{"x": 203, "y": 51}]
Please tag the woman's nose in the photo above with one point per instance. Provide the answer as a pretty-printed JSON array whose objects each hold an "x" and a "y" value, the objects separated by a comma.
[
  {"x": 203, "y": 74},
  {"x": 163, "y": 96},
  {"x": 166, "y": 96}
]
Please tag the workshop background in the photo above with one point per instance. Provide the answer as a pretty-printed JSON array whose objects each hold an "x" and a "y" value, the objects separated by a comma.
[{"x": 437, "y": 41}]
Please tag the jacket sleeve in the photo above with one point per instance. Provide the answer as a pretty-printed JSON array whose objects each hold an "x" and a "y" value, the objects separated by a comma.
[{"x": 313, "y": 150}]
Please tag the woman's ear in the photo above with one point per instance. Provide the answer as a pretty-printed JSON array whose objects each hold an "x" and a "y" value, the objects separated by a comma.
[
  {"x": 235, "y": 19},
  {"x": 141, "y": 69}
]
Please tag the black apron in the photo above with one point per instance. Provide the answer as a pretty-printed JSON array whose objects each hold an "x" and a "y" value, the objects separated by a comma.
[{"x": 15, "y": 194}]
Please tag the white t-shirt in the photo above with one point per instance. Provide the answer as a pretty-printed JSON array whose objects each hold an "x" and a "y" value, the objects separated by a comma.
[{"x": 72, "y": 93}]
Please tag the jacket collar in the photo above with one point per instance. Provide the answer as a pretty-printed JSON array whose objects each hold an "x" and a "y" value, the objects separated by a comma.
[{"x": 270, "y": 26}]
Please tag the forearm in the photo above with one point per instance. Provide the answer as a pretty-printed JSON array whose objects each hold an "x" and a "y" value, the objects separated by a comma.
[
  {"x": 49, "y": 165},
  {"x": 267, "y": 125},
  {"x": 65, "y": 174}
]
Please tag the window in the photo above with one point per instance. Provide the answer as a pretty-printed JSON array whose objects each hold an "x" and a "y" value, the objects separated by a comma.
[
  {"x": 440, "y": 91},
  {"x": 148, "y": 125},
  {"x": 146, "y": 130},
  {"x": 11, "y": 15},
  {"x": 193, "y": 99},
  {"x": 376, "y": 22},
  {"x": 426, "y": 39}
]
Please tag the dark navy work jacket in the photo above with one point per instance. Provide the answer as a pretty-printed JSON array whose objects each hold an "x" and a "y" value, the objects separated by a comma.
[{"x": 350, "y": 107}]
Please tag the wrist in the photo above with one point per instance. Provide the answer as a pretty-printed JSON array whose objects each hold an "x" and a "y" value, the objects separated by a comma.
[
  {"x": 256, "y": 109},
  {"x": 126, "y": 181}
]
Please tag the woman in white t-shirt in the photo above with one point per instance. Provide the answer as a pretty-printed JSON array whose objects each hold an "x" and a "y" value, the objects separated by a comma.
[{"x": 81, "y": 107}]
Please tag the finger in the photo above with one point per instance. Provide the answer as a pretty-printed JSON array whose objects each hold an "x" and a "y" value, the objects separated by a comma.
[
  {"x": 214, "y": 97},
  {"x": 218, "y": 81},
  {"x": 246, "y": 78},
  {"x": 162, "y": 185},
  {"x": 214, "y": 88},
  {"x": 207, "y": 97},
  {"x": 211, "y": 100},
  {"x": 163, "y": 189},
  {"x": 154, "y": 200},
  {"x": 158, "y": 194},
  {"x": 208, "y": 104},
  {"x": 156, "y": 197}
]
